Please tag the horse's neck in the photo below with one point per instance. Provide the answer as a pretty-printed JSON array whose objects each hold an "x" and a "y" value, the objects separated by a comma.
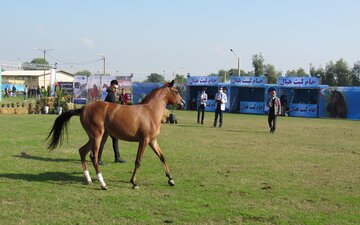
[{"x": 157, "y": 106}]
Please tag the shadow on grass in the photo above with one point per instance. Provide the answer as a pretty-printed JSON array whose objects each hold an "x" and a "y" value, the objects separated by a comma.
[
  {"x": 222, "y": 129},
  {"x": 247, "y": 131},
  {"x": 45, "y": 177},
  {"x": 186, "y": 125},
  {"x": 24, "y": 155}
]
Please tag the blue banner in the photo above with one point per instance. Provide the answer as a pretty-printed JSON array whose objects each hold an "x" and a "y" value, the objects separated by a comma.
[
  {"x": 303, "y": 110},
  {"x": 203, "y": 81},
  {"x": 340, "y": 102},
  {"x": 247, "y": 81},
  {"x": 67, "y": 87},
  {"x": 210, "y": 105},
  {"x": 140, "y": 90},
  {"x": 299, "y": 82},
  {"x": 252, "y": 107}
]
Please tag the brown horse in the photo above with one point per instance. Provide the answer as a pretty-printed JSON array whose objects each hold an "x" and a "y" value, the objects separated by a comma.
[{"x": 135, "y": 123}]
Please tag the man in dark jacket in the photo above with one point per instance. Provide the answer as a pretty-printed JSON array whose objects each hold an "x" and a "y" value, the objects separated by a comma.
[
  {"x": 111, "y": 97},
  {"x": 274, "y": 105}
]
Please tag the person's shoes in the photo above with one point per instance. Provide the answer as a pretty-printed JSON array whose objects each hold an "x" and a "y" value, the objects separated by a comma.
[
  {"x": 202, "y": 123},
  {"x": 270, "y": 130},
  {"x": 101, "y": 162},
  {"x": 119, "y": 160},
  {"x": 220, "y": 126}
]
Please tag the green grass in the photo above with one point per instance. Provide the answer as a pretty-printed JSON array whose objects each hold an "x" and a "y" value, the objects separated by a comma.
[{"x": 305, "y": 173}]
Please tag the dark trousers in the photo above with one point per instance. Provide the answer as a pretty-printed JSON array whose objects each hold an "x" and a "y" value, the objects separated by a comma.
[
  {"x": 115, "y": 144},
  {"x": 218, "y": 112},
  {"x": 272, "y": 121},
  {"x": 202, "y": 109}
]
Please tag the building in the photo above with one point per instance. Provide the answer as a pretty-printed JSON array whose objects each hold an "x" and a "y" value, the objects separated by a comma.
[{"x": 34, "y": 77}]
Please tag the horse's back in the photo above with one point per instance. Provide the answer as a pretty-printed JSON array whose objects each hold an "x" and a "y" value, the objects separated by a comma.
[{"x": 126, "y": 122}]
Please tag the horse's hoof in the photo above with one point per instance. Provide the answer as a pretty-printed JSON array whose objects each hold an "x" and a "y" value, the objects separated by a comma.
[
  {"x": 104, "y": 187},
  {"x": 89, "y": 182},
  {"x": 171, "y": 182},
  {"x": 135, "y": 187}
]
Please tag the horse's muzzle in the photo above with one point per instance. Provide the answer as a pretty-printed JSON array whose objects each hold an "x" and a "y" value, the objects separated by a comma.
[{"x": 181, "y": 104}]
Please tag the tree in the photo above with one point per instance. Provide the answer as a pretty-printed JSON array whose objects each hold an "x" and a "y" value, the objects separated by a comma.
[
  {"x": 39, "y": 61},
  {"x": 342, "y": 72},
  {"x": 329, "y": 75},
  {"x": 223, "y": 75},
  {"x": 271, "y": 74},
  {"x": 318, "y": 72},
  {"x": 180, "y": 79},
  {"x": 301, "y": 72},
  {"x": 36, "y": 64},
  {"x": 355, "y": 74},
  {"x": 258, "y": 64},
  {"x": 291, "y": 73},
  {"x": 296, "y": 73},
  {"x": 155, "y": 78},
  {"x": 83, "y": 73}
]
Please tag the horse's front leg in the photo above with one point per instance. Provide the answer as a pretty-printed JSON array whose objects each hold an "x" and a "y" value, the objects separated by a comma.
[
  {"x": 155, "y": 146},
  {"x": 139, "y": 155}
]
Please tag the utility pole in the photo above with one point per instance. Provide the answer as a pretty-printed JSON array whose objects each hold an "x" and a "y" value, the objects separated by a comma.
[
  {"x": 103, "y": 58},
  {"x": 44, "y": 51},
  {"x": 238, "y": 60}
]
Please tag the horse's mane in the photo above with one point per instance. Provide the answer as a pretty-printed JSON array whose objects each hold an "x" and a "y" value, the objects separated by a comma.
[{"x": 150, "y": 95}]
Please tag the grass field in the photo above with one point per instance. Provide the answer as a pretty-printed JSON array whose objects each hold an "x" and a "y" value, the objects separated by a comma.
[{"x": 308, "y": 172}]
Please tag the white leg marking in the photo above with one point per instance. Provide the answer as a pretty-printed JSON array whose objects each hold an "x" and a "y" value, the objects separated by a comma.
[
  {"x": 87, "y": 175},
  {"x": 101, "y": 179}
]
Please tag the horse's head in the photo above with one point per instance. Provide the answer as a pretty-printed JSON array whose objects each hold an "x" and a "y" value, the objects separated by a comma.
[{"x": 173, "y": 97}]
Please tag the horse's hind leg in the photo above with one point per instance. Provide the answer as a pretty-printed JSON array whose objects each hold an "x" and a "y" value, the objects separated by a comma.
[
  {"x": 83, "y": 151},
  {"x": 95, "y": 151},
  {"x": 155, "y": 146}
]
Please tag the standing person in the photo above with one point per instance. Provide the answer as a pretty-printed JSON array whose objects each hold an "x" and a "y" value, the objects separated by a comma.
[
  {"x": 25, "y": 92},
  {"x": 124, "y": 99},
  {"x": 14, "y": 91},
  {"x": 110, "y": 97},
  {"x": 283, "y": 101},
  {"x": 220, "y": 100},
  {"x": 202, "y": 105},
  {"x": 6, "y": 91},
  {"x": 274, "y": 109},
  {"x": 38, "y": 92}
]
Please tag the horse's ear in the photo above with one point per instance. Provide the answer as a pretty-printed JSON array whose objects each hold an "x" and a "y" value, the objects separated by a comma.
[{"x": 170, "y": 84}]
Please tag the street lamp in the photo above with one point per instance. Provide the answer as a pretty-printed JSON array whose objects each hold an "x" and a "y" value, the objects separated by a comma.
[
  {"x": 44, "y": 50},
  {"x": 238, "y": 60},
  {"x": 103, "y": 58}
]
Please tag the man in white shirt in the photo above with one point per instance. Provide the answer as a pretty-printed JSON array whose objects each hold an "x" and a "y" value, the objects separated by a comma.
[
  {"x": 220, "y": 99},
  {"x": 202, "y": 105}
]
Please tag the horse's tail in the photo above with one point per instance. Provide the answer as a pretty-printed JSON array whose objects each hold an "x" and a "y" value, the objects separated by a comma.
[{"x": 56, "y": 134}]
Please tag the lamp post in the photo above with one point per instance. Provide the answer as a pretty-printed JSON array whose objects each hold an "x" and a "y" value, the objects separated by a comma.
[
  {"x": 238, "y": 60},
  {"x": 103, "y": 58},
  {"x": 44, "y": 51}
]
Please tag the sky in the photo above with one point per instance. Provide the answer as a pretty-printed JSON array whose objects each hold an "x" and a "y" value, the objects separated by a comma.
[{"x": 178, "y": 37}]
